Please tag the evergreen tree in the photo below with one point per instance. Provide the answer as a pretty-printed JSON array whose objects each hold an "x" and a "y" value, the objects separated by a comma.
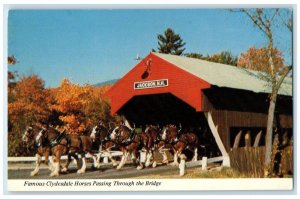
[
  {"x": 194, "y": 55},
  {"x": 224, "y": 57},
  {"x": 170, "y": 43}
]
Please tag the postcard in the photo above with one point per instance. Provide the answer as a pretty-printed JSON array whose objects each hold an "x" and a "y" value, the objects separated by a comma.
[{"x": 195, "y": 99}]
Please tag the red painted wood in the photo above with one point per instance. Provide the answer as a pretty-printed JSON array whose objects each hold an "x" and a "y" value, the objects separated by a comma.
[{"x": 182, "y": 84}]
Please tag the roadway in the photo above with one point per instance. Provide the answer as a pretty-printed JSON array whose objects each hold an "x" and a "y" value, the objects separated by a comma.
[{"x": 106, "y": 171}]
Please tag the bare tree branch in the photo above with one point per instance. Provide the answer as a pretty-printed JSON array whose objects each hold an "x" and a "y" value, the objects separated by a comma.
[
  {"x": 254, "y": 20},
  {"x": 279, "y": 82},
  {"x": 275, "y": 14}
]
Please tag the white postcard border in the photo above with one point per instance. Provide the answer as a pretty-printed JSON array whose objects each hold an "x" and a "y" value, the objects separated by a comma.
[{"x": 150, "y": 185}]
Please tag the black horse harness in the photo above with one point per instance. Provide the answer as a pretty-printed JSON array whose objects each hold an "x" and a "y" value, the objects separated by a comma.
[{"x": 59, "y": 138}]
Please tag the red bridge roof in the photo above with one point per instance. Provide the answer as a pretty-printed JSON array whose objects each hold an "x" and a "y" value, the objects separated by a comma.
[{"x": 160, "y": 76}]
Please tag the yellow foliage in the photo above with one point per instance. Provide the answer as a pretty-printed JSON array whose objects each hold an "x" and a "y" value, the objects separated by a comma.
[{"x": 80, "y": 106}]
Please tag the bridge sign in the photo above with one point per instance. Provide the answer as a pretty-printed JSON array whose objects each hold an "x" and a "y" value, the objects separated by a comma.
[{"x": 151, "y": 84}]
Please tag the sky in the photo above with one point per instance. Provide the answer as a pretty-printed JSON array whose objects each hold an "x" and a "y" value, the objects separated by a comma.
[{"x": 92, "y": 46}]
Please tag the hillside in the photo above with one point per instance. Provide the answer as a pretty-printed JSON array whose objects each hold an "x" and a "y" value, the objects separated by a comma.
[{"x": 109, "y": 82}]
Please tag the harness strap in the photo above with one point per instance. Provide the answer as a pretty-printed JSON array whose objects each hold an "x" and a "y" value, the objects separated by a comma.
[
  {"x": 43, "y": 144},
  {"x": 130, "y": 139},
  {"x": 156, "y": 139},
  {"x": 107, "y": 137},
  {"x": 58, "y": 140}
]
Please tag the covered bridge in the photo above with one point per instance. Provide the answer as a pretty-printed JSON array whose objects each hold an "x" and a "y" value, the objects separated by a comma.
[{"x": 164, "y": 89}]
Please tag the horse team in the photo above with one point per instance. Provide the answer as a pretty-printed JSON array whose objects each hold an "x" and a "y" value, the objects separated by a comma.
[{"x": 52, "y": 144}]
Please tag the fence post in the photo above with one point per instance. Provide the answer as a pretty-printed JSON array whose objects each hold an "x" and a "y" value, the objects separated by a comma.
[
  {"x": 204, "y": 163},
  {"x": 182, "y": 165},
  {"x": 105, "y": 160},
  {"x": 143, "y": 156}
]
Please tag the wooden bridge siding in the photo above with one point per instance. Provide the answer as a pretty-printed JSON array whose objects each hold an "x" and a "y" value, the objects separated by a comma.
[
  {"x": 225, "y": 119},
  {"x": 286, "y": 121}
]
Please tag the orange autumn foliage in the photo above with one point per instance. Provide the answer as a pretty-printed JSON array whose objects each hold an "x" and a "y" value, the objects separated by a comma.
[
  {"x": 28, "y": 103},
  {"x": 257, "y": 59},
  {"x": 80, "y": 106},
  {"x": 29, "y": 100},
  {"x": 71, "y": 106}
]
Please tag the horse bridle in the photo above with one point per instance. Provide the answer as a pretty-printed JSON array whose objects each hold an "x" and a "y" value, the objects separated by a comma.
[
  {"x": 41, "y": 137},
  {"x": 154, "y": 128},
  {"x": 172, "y": 140},
  {"x": 28, "y": 133},
  {"x": 94, "y": 133},
  {"x": 97, "y": 133}
]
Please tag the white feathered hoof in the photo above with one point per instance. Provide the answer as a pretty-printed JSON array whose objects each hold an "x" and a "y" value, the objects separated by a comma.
[
  {"x": 64, "y": 170},
  {"x": 33, "y": 173},
  {"x": 174, "y": 164},
  {"x": 165, "y": 162},
  {"x": 98, "y": 166},
  {"x": 140, "y": 167},
  {"x": 119, "y": 167},
  {"x": 80, "y": 171},
  {"x": 147, "y": 164},
  {"x": 114, "y": 164},
  {"x": 154, "y": 164}
]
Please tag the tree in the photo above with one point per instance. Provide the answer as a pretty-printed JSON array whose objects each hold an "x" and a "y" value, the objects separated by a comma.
[
  {"x": 11, "y": 77},
  {"x": 224, "y": 57},
  {"x": 98, "y": 108},
  {"x": 11, "y": 60},
  {"x": 80, "y": 107},
  {"x": 30, "y": 100},
  {"x": 28, "y": 104},
  {"x": 194, "y": 55},
  {"x": 70, "y": 99},
  {"x": 257, "y": 59},
  {"x": 170, "y": 43},
  {"x": 264, "y": 19}
]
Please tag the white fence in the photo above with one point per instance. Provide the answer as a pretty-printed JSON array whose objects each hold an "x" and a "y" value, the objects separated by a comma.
[
  {"x": 116, "y": 154},
  {"x": 204, "y": 161},
  {"x": 32, "y": 159}
]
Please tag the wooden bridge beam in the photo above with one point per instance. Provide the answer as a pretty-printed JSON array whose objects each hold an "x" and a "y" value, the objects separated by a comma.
[{"x": 214, "y": 130}]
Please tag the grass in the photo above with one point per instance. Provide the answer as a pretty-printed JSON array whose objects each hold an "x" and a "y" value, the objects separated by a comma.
[{"x": 197, "y": 173}]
